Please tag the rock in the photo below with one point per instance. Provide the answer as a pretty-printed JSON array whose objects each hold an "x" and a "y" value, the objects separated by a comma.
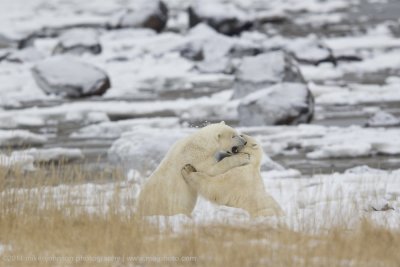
[
  {"x": 78, "y": 41},
  {"x": 29, "y": 54},
  {"x": 65, "y": 76},
  {"x": 143, "y": 148},
  {"x": 264, "y": 70},
  {"x": 225, "y": 18},
  {"x": 311, "y": 51},
  {"x": 215, "y": 51},
  {"x": 284, "y": 103},
  {"x": 145, "y": 14},
  {"x": 382, "y": 119}
]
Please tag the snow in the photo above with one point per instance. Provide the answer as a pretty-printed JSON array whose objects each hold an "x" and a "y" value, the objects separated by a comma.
[
  {"x": 116, "y": 128},
  {"x": 284, "y": 102},
  {"x": 20, "y": 138},
  {"x": 50, "y": 154},
  {"x": 4, "y": 248},
  {"x": 381, "y": 119},
  {"x": 17, "y": 161},
  {"x": 360, "y": 94},
  {"x": 263, "y": 68},
  {"x": 219, "y": 11},
  {"x": 160, "y": 92},
  {"x": 218, "y": 105},
  {"x": 312, "y": 204},
  {"x": 79, "y": 37}
]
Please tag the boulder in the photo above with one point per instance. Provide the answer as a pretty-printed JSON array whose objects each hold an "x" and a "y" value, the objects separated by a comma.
[
  {"x": 311, "y": 50},
  {"x": 216, "y": 52},
  {"x": 66, "y": 76},
  {"x": 283, "y": 103},
  {"x": 143, "y": 148},
  {"x": 264, "y": 70},
  {"x": 151, "y": 14},
  {"x": 226, "y": 18},
  {"x": 78, "y": 41}
]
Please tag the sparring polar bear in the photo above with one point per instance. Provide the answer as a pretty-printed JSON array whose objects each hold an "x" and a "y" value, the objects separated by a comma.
[
  {"x": 240, "y": 187},
  {"x": 166, "y": 192}
]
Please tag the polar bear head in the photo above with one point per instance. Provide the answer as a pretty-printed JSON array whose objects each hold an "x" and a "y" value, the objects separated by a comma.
[
  {"x": 222, "y": 138},
  {"x": 254, "y": 149}
]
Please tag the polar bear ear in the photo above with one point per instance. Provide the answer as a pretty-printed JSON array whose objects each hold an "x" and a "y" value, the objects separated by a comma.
[{"x": 222, "y": 122}]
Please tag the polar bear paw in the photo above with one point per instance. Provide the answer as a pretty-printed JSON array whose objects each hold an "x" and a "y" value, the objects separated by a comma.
[{"x": 187, "y": 170}]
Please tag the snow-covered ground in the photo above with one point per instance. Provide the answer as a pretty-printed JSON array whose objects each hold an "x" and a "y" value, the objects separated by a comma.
[
  {"x": 161, "y": 84},
  {"x": 310, "y": 203}
]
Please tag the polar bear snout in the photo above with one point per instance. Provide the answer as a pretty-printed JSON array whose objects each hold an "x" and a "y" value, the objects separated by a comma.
[{"x": 240, "y": 143}]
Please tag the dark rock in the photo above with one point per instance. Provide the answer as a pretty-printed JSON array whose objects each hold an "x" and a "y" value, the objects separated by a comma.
[
  {"x": 264, "y": 70},
  {"x": 283, "y": 103},
  {"x": 68, "y": 77},
  {"x": 78, "y": 41},
  {"x": 145, "y": 14},
  {"x": 225, "y": 18}
]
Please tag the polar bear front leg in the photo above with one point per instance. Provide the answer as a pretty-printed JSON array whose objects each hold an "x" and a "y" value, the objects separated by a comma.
[
  {"x": 228, "y": 163},
  {"x": 203, "y": 183}
]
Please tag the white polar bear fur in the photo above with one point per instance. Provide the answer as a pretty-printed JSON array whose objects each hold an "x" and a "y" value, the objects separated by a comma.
[
  {"x": 166, "y": 192},
  {"x": 240, "y": 187}
]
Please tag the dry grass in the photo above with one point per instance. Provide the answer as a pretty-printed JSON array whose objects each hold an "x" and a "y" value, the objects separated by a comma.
[{"x": 41, "y": 232}]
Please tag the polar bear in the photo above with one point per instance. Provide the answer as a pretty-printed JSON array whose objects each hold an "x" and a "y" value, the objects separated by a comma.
[
  {"x": 240, "y": 187},
  {"x": 166, "y": 192}
]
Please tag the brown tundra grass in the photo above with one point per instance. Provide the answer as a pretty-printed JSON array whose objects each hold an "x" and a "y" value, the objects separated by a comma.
[{"x": 36, "y": 230}]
